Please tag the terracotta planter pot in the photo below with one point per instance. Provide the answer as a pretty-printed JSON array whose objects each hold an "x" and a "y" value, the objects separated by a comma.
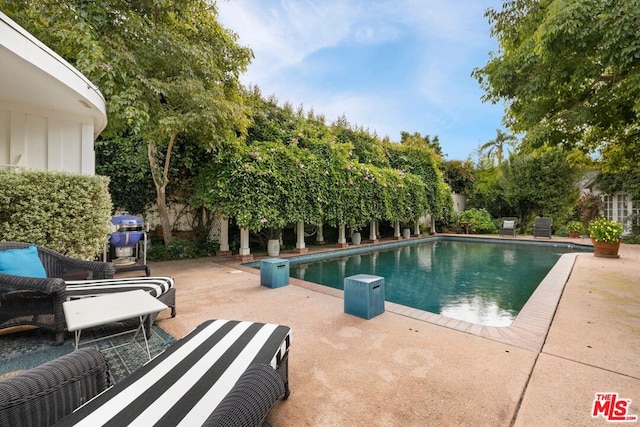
[{"x": 605, "y": 250}]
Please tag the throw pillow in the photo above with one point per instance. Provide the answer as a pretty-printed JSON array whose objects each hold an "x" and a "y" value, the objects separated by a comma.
[
  {"x": 508, "y": 224},
  {"x": 22, "y": 262}
]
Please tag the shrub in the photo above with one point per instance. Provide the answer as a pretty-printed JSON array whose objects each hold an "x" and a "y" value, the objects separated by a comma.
[
  {"x": 478, "y": 221},
  {"x": 575, "y": 227},
  {"x": 68, "y": 213},
  {"x": 634, "y": 239},
  {"x": 182, "y": 248}
]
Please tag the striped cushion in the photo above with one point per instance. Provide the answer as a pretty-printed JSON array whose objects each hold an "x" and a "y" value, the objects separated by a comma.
[
  {"x": 156, "y": 286},
  {"x": 184, "y": 385}
]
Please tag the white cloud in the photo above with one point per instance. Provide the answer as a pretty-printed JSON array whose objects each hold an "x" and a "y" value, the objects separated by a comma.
[{"x": 433, "y": 93}]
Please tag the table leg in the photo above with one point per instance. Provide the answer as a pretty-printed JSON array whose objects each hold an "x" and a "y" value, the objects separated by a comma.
[
  {"x": 140, "y": 327},
  {"x": 144, "y": 334},
  {"x": 77, "y": 337}
]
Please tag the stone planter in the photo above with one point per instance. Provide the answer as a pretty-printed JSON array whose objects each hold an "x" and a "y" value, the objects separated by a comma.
[
  {"x": 406, "y": 233},
  {"x": 273, "y": 247},
  {"x": 356, "y": 238},
  {"x": 606, "y": 250}
]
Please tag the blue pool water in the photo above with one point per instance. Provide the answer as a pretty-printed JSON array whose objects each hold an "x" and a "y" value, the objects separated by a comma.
[{"x": 483, "y": 283}]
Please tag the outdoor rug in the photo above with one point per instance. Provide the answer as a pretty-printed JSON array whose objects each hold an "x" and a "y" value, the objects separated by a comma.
[{"x": 26, "y": 349}]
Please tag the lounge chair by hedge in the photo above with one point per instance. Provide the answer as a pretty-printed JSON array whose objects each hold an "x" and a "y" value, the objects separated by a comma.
[
  {"x": 35, "y": 281},
  {"x": 508, "y": 226},
  {"x": 542, "y": 227}
]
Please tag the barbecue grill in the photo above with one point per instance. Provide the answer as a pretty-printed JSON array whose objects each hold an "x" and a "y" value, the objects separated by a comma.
[{"x": 126, "y": 232}]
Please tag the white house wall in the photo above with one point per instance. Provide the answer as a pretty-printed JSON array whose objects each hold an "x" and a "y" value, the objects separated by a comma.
[
  {"x": 5, "y": 137},
  {"x": 46, "y": 140},
  {"x": 50, "y": 113}
]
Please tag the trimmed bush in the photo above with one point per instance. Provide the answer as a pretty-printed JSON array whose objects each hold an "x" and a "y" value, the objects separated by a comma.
[
  {"x": 68, "y": 213},
  {"x": 478, "y": 220}
]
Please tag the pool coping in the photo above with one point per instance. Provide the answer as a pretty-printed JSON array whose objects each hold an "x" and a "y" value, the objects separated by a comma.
[{"x": 528, "y": 330}]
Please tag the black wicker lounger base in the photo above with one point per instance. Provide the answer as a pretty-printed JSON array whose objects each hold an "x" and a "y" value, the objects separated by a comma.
[
  {"x": 45, "y": 394},
  {"x": 224, "y": 373}
]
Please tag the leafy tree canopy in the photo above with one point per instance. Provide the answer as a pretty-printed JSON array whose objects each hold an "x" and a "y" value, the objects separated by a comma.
[
  {"x": 166, "y": 68},
  {"x": 569, "y": 74},
  {"x": 460, "y": 175},
  {"x": 546, "y": 184},
  {"x": 419, "y": 157},
  {"x": 627, "y": 181},
  {"x": 366, "y": 147},
  {"x": 417, "y": 140}
]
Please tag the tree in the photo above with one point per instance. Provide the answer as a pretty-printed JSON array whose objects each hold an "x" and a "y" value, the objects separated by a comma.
[
  {"x": 417, "y": 156},
  {"x": 366, "y": 147},
  {"x": 497, "y": 146},
  {"x": 166, "y": 68},
  {"x": 627, "y": 181},
  {"x": 460, "y": 175},
  {"x": 124, "y": 161},
  {"x": 546, "y": 184},
  {"x": 416, "y": 139},
  {"x": 269, "y": 121},
  {"x": 486, "y": 192},
  {"x": 569, "y": 74}
]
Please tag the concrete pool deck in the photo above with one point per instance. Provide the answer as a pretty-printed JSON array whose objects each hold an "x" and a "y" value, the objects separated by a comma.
[{"x": 400, "y": 369}]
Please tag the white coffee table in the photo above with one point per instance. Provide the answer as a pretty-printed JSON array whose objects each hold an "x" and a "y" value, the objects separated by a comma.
[{"x": 96, "y": 311}]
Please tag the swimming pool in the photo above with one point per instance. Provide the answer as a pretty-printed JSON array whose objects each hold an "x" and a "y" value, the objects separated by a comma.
[{"x": 484, "y": 282}]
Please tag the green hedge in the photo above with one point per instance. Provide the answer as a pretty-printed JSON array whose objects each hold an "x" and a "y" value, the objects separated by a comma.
[
  {"x": 65, "y": 212},
  {"x": 270, "y": 185}
]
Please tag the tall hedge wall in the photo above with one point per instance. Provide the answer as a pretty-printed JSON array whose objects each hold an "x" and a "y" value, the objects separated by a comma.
[{"x": 65, "y": 212}]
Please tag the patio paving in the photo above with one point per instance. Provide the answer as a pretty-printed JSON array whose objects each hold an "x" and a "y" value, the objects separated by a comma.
[{"x": 399, "y": 370}]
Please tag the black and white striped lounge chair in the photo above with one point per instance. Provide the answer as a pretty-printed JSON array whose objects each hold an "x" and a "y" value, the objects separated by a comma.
[
  {"x": 161, "y": 288},
  {"x": 224, "y": 373}
]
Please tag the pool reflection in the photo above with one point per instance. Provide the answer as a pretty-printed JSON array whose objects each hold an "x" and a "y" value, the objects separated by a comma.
[{"x": 483, "y": 283}]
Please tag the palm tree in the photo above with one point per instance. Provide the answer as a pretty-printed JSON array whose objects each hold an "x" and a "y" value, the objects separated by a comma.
[{"x": 496, "y": 146}]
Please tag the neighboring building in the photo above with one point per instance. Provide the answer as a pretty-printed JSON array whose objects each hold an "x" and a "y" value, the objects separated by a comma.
[
  {"x": 50, "y": 113},
  {"x": 617, "y": 206}
]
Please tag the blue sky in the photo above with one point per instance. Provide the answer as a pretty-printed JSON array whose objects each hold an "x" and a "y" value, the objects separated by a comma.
[{"x": 387, "y": 65}]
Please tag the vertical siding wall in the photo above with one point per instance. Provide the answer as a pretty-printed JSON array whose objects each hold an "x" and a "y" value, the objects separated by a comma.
[{"x": 46, "y": 141}]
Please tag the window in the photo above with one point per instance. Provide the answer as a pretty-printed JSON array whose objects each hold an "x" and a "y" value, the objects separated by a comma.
[{"x": 620, "y": 208}]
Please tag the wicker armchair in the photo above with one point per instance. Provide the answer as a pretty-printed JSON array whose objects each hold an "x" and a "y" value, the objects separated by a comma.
[
  {"x": 45, "y": 394},
  {"x": 542, "y": 227},
  {"x": 508, "y": 226},
  {"x": 34, "y": 301}
]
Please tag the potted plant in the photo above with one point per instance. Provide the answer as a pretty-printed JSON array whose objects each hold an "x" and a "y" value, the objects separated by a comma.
[
  {"x": 574, "y": 228},
  {"x": 605, "y": 235}
]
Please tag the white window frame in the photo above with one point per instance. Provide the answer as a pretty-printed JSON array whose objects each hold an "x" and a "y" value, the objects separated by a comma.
[{"x": 619, "y": 207}]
